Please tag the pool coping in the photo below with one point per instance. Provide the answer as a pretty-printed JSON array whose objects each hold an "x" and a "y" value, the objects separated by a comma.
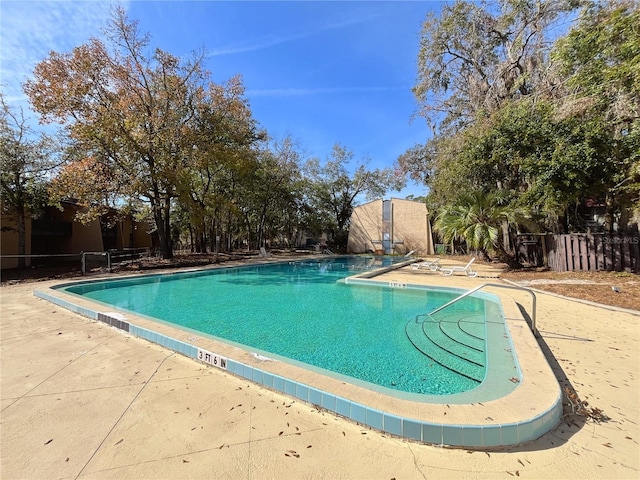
[{"x": 532, "y": 409}]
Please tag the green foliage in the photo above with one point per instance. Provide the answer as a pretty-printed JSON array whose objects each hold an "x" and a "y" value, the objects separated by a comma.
[
  {"x": 478, "y": 218},
  {"x": 272, "y": 194},
  {"x": 26, "y": 161},
  {"x": 475, "y": 56},
  {"x": 601, "y": 56},
  {"x": 601, "y": 60},
  {"x": 417, "y": 162},
  {"x": 334, "y": 190},
  {"x": 554, "y": 124},
  {"x": 223, "y": 157},
  {"x": 152, "y": 123},
  {"x": 145, "y": 128}
]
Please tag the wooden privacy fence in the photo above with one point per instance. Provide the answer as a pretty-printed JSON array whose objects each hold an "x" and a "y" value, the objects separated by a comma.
[{"x": 580, "y": 251}]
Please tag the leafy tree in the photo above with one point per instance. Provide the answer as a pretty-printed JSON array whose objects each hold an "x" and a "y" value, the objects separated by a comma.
[
  {"x": 479, "y": 218},
  {"x": 552, "y": 164},
  {"x": 138, "y": 115},
  {"x": 475, "y": 59},
  {"x": 417, "y": 162},
  {"x": 601, "y": 59},
  {"x": 26, "y": 161},
  {"x": 223, "y": 154},
  {"x": 475, "y": 56},
  {"x": 334, "y": 191},
  {"x": 272, "y": 195},
  {"x": 554, "y": 133},
  {"x": 93, "y": 182}
]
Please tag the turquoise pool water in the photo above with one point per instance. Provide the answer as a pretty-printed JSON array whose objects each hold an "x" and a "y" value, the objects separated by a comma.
[{"x": 305, "y": 312}]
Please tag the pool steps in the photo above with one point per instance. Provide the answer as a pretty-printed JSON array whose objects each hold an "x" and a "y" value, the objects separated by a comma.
[
  {"x": 472, "y": 328},
  {"x": 448, "y": 332},
  {"x": 427, "y": 336}
]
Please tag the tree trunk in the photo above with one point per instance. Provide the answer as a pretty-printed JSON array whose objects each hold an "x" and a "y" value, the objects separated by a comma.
[
  {"x": 508, "y": 258},
  {"x": 260, "y": 237},
  {"x": 161, "y": 218},
  {"x": 485, "y": 255},
  {"x": 198, "y": 240},
  {"x": 564, "y": 221},
  {"x": 609, "y": 217},
  {"x": 22, "y": 237},
  {"x": 248, "y": 225},
  {"x": 167, "y": 249}
]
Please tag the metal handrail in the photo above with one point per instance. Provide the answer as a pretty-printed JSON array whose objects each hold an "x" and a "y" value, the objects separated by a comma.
[
  {"x": 83, "y": 260},
  {"x": 534, "y": 329}
]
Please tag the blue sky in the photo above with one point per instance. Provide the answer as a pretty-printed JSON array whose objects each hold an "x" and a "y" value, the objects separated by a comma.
[{"x": 321, "y": 72}]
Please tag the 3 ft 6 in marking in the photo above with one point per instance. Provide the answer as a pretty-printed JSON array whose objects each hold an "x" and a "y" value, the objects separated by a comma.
[{"x": 212, "y": 359}]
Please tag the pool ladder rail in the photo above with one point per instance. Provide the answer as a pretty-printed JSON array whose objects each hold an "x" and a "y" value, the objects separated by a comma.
[{"x": 534, "y": 328}]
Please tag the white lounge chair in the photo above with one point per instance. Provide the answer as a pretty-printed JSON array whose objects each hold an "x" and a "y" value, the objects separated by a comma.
[
  {"x": 466, "y": 269},
  {"x": 432, "y": 265}
]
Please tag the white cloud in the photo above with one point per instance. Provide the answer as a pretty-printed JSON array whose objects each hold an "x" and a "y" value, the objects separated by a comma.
[
  {"x": 274, "y": 40},
  {"x": 31, "y": 29},
  {"x": 256, "y": 44}
]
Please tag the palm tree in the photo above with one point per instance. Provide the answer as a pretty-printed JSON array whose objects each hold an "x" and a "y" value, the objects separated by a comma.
[{"x": 479, "y": 219}]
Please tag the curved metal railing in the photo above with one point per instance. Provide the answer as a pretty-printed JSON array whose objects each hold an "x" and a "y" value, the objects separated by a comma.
[{"x": 534, "y": 328}]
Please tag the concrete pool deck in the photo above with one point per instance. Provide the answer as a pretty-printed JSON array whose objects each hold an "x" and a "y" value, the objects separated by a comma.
[{"x": 80, "y": 399}]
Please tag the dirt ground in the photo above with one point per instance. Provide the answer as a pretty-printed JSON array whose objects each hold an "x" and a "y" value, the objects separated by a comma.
[{"x": 618, "y": 289}]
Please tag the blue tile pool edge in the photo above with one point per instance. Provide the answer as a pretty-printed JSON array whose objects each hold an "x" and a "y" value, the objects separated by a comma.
[{"x": 468, "y": 436}]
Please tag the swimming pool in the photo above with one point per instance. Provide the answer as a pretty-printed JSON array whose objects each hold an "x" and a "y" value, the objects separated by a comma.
[
  {"x": 304, "y": 312},
  {"x": 515, "y": 402}
]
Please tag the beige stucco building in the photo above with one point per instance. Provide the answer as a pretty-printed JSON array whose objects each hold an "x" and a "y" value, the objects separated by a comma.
[
  {"x": 57, "y": 232},
  {"x": 394, "y": 226}
]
